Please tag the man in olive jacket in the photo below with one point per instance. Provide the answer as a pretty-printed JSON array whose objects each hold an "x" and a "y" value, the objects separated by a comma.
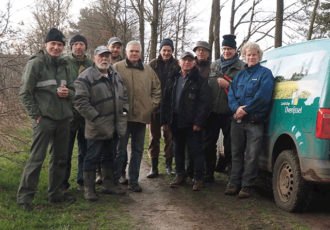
[
  {"x": 101, "y": 99},
  {"x": 163, "y": 66},
  {"x": 144, "y": 95},
  {"x": 46, "y": 93},
  {"x": 77, "y": 63},
  {"x": 222, "y": 73}
]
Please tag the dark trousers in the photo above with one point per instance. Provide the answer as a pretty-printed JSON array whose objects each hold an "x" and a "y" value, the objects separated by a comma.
[
  {"x": 246, "y": 145},
  {"x": 214, "y": 123},
  {"x": 155, "y": 135},
  {"x": 82, "y": 148},
  {"x": 181, "y": 136},
  {"x": 46, "y": 132}
]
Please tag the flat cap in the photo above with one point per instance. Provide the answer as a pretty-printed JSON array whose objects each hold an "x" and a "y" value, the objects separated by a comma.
[
  {"x": 186, "y": 54},
  {"x": 101, "y": 50},
  {"x": 202, "y": 44},
  {"x": 114, "y": 40}
]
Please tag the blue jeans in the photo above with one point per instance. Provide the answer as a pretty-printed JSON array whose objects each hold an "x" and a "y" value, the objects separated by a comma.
[
  {"x": 82, "y": 148},
  {"x": 246, "y": 142},
  {"x": 100, "y": 151},
  {"x": 194, "y": 140},
  {"x": 137, "y": 132}
]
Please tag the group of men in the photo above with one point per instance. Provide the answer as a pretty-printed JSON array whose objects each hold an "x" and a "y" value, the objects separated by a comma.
[{"x": 112, "y": 99}]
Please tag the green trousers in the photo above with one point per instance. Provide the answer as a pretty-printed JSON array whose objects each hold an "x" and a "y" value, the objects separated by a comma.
[{"x": 46, "y": 132}]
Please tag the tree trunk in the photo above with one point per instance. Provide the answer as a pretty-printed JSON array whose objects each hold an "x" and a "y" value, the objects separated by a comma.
[
  {"x": 232, "y": 17},
  {"x": 310, "y": 31},
  {"x": 154, "y": 26},
  {"x": 279, "y": 23},
  {"x": 184, "y": 26},
  {"x": 217, "y": 31},
  {"x": 211, "y": 26},
  {"x": 141, "y": 31}
]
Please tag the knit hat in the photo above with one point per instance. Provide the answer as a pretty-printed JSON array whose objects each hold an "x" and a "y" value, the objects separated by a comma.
[
  {"x": 229, "y": 40},
  {"x": 77, "y": 38},
  {"x": 55, "y": 35},
  {"x": 166, "y": 42},
  {"x": 202, "y": 44}
]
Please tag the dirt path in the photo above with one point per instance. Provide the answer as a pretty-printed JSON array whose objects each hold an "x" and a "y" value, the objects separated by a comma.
[{"x": 161, "y": 207}]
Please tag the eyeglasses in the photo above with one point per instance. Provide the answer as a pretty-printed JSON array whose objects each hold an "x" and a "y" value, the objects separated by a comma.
[{"x": 227, "y": 49}]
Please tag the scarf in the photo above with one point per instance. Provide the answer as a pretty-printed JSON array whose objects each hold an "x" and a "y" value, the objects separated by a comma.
[{"x": 226, "y": 64}]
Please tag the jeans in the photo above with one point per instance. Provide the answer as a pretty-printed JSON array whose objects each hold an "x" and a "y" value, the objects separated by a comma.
[
  {"x": 214, "y": 123},
  {"x": 194, "y": 140},
  {"x": 137, "y": 131},
  {"x": 82, "y": 148},
  {"x": 246, "y": 142},
  {"x": 100, "y": 151}
]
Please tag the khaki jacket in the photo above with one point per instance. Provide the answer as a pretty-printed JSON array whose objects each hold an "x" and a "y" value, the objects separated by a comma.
[{"x": 143, "y": 90}]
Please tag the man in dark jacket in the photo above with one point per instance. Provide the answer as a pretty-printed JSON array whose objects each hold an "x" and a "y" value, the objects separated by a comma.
[
  {"x": 47, "y": 93},
  {"x": 222, "y": 73},
  {"x": 203, "y": 63},
  {"x": 184, "y": 108},
  {"x": 77, "y": 62},
  {"x": 163, "y": 65},
  {"x": 102, "y": 99}
]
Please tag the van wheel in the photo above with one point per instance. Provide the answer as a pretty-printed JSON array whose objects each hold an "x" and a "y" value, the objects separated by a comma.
[{"x": 291, "y": 192}]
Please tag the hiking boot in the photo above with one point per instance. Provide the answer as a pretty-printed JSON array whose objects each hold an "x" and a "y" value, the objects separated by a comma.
[
  {"x": 65, "y": 198},
  {"x": 26, "y": 207},
  {"x": 245, "y": 192},
  {"x": 178, "y": 180},
  {"x": 135, "y": 187},
  {"x": 108, "y": 185},
  {"x": 98, "y": 179},
  {"x": 232, "y": 190},
  {"x": 208, "y": 178},
  {"x": 89, "y": 186},
  {"x": 154, "y": 168},
  {"x": 168, "y": 163},
  {"x": 123, "y": 179},
  {"x": 199, "y": 184}
]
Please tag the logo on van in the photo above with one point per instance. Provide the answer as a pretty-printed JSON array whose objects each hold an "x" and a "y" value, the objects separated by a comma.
[{"x": 293, "y": 110}]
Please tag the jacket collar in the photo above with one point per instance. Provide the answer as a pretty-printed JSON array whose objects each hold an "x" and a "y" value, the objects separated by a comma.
[
  {"x": 78, "y": 60},
  {"x": 203, "y": 63},
  {"x": 96, "y": 73},
  {"x": 129, "y": 64},
  {"x": 193, "y": 73}
]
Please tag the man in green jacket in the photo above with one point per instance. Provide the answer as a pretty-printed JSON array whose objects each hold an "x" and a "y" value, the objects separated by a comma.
[
  {"x": 77, "y": 63},
  {"x": 47, "y": 93}
]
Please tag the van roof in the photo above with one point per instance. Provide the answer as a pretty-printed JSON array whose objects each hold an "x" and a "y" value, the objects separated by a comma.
[{"x": 298, "y": 48}]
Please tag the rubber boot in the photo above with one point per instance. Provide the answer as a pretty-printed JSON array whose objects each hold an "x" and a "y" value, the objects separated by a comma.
[
  {"x": 168, "y": 163},
  {"x": 154, "y": 168},
  {"x": 108, "y": 183},
  {"x": 89, "y": 186}
]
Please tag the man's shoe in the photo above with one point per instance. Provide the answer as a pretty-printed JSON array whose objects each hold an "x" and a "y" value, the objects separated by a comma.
[
  {"x": 123, "y": 179},
  {"x": 178, "y": 180},
  {"x": 80, "y": 187},
  {"x": 208, "y": 178},
  {"x": 26, "y": 207},
  {"x": 245, "y": 192},
  {"x": 168, "y": 163},
  {"x": 135, "y": 187},
  {"x": 154, "y": 168},
  {"x": 199, "y": 184},
  {"x": 65, "y": 198},
  {"x": 232, "y": 190},
  {"x": 98, "y": 179}
]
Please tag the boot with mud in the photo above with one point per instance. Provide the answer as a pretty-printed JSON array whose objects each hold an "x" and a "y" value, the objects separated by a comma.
[
  {"x": 168, "y": 163},
  {"x": 232, "y": 190},
  {"x": 178, "y": 180},
  {"x": 89, "y": 186},
  {"x": 154, "y": 168},
  {"x": 108, "y": 183},
  {"x": 199, "y": 184}
]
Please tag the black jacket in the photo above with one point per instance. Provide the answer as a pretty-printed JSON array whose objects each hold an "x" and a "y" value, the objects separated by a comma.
[{"x": 194, "y": 102}]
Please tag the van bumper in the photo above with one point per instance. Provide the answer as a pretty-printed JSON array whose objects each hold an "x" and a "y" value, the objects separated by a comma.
[{"x": 317, "y": 171}]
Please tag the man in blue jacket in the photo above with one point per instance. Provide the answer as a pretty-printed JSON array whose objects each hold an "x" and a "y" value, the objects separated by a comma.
[{"x": 249, "y": 99}]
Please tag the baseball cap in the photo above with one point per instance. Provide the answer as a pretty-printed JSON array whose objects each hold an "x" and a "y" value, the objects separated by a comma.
[
  {"x": 101, "y": 50},
  {"x": 114, "y": 40},
  {"x": 186, "y": 54}
]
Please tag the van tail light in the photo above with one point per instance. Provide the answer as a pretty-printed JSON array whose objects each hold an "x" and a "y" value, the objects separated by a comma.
[{"x": 322, "y": 130}]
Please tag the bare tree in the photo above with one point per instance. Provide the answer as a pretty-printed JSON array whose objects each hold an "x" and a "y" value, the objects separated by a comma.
[
  {"x": 279, "y": 23},
  {"x": 154, "y": 27},
  {"x": 310, "y": 31}
]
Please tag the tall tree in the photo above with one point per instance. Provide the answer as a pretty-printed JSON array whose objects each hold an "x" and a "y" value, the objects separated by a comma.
[
  {"x": 279, "y": 23},
  {"x": 310, "y": 31},
  {"x": 154, "y": 27}
]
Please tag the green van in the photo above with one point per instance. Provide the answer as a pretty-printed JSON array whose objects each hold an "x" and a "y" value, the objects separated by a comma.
[{"x": 297, "y": 134}]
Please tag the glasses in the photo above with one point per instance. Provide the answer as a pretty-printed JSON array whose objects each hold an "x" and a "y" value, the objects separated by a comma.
[
  {"x": 227, "y": 49},
  {"x": 189, "y": 60}
]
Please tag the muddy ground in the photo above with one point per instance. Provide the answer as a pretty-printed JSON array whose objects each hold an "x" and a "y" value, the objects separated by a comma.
[{"x": 162, "y": 207}]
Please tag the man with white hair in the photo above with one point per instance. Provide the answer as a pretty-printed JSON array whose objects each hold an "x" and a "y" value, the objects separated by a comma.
[{"x": 144, "y": 96}]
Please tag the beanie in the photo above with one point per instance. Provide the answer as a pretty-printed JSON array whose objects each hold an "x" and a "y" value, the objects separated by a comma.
[
  {"x": 78, "y": 38},
  {"x": 229, "y": 40},
  {"x": 166, "y": 42},
  {"x": 55, "y": 35}
]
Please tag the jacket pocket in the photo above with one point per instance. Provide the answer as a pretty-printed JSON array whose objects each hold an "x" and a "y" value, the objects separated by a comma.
[{"x": 252, "y": 88}]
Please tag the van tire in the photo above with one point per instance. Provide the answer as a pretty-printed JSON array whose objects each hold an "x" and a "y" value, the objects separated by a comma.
[{"x": 291, "y": 192}]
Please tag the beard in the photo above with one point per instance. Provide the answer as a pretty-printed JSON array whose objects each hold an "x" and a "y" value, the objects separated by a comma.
[
  {"x": 102, "y": 67},
  {"x": 78, "y": 54}
]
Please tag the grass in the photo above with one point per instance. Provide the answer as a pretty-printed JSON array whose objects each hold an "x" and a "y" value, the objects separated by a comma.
[{"x": 106, "y": 213}]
